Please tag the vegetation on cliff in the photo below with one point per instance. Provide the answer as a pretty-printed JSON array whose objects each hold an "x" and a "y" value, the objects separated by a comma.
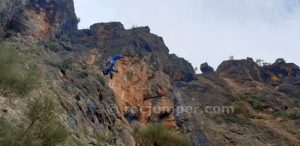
[
  {"x": 13, "y": 76},
  {"x": 39, "y": 126},
  {"x": 158, "y": 135}
]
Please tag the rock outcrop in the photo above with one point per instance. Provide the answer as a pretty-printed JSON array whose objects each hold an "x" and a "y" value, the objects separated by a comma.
[
  {"x": 265, "y": 100},
  {"x": 241, "y": 70},
  {"x": 206, "y": 69},
  {"x": 7, "y": 10},
  {"x": 281, "y": 75},
  {"x": 280, "y": 70},
  {"x": 41, "y": 19},
  {"x": 145, "y": 75}
]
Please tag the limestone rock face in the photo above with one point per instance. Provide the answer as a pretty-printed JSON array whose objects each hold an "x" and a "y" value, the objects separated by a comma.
[
  {"x": 42, "y": 19},
  {"x": 146, "y": 74},
  {"x": 139, "y": 91},
  {"x": 7, "y": 10}
]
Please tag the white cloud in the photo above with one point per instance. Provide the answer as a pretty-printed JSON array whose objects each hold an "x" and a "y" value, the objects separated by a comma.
[{"x": 209, "y": 30}]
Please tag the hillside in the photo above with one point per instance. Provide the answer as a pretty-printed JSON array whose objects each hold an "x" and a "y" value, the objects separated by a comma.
[{"x": 53, "y": 92}]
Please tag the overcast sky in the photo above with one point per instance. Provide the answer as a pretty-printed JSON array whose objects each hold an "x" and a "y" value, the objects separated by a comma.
[{"x": 208, "y": 30}]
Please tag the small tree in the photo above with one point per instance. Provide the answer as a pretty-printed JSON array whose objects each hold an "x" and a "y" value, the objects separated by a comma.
[
  {"x": 196, "y": 69},
  {"x": 40, "y": 126},
  {"x": 78, "y": 19},
  {"x": 231, "y": 57},
  {"x": 266, "y": 64},
  {"x": 44, "y": 124}
]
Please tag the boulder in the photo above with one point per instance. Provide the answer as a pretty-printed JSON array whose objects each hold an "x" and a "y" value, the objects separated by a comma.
[
  {"x": 206, "y": 69},
  {"x": 245, "y": 69}
]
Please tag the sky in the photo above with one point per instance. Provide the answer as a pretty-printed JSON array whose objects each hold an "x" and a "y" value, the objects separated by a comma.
[{"x": 208, "y": 30}]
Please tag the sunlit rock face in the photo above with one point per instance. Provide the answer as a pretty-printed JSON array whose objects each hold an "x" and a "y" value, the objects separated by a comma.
[{"x": 145, "y": 76}]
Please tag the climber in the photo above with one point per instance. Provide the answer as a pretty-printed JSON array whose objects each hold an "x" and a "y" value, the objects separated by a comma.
[{"x": 110, "y": 66}]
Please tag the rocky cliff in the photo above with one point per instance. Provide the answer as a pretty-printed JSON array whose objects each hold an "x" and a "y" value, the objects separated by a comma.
[
  {"x": 70, "y": 70},
  {"x": 265, "y": 100},
  {"x": 151, "y": 85},
  {"x": 41, "y": 19}
]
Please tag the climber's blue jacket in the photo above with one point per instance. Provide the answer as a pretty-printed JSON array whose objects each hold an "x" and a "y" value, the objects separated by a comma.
[{"x": 115, "y": 59}]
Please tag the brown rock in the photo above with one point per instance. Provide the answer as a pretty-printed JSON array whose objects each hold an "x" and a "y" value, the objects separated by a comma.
[{"x": 240, "y": 70}]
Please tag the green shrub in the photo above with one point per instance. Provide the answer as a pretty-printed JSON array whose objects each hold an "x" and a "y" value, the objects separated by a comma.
[
  {"x": 253, "y": 97},
  {"x": 53, "y": 47},
  {"x": 292, "y": 116},
  {"x": 107, "y": 137},
  {"x": 27, "y": 81},
  {"x": 9, "y": 131},
  {"x": 236, "y": 119},
  {"x": 40, "y": 126},
  {"x": 45, "y": 122},
  {"x": 158, "y": 135},
  {"x": 15, "y": 77},
  {"x": 256, "y": 106},
  {"x": 255, "y": 101}
]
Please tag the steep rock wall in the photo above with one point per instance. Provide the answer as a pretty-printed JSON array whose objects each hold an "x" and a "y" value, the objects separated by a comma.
[{"x": 41, "y": 19}]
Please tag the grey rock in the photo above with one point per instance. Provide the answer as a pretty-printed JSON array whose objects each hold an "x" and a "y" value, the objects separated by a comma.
[{"x": 206, "y": 69}]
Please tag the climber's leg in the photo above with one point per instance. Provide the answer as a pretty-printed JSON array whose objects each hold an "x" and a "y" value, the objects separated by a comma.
[
  {"x": 104, "y": 71},
  {"x": 111, "y": 75},
  {"x": 114, "y": 69}
]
